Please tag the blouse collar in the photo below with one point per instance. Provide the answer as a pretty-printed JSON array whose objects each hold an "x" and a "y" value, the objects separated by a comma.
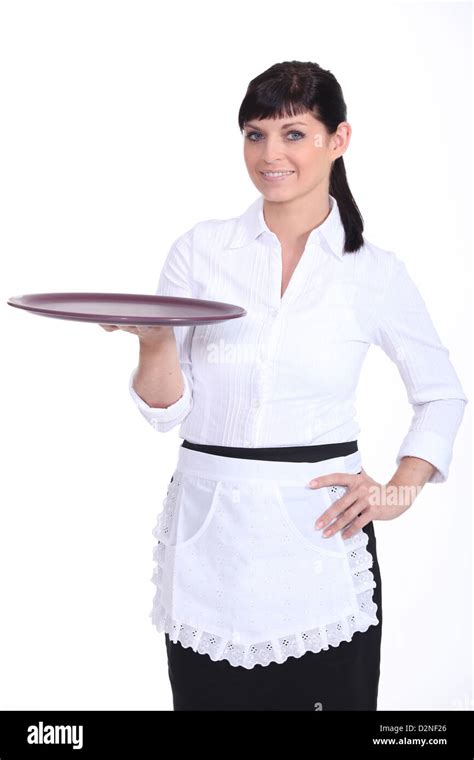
[{"x": 251, "y": 224}]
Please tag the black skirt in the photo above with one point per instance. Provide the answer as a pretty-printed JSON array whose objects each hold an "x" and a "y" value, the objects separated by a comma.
[{"x": 343, "y": 677}]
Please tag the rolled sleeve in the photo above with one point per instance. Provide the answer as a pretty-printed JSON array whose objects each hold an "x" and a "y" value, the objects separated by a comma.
[
  {"x": 436, "y": 448},
  {"x": 404, "y": 330},
  {"x": 164, "y": 419}
]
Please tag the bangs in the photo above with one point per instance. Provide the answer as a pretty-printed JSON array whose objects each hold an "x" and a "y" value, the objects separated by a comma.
[{"x": 269, "y": 104}]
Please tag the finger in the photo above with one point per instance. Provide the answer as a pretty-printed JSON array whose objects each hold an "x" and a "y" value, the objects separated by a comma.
[
  {"x": 363, "y": 519},
  {"x": 344, "y": 519},
  {"x": 338, "y": 506},
  {"x": 332, "y": 479}
]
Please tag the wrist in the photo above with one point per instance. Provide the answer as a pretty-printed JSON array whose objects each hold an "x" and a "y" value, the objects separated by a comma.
[
  {"x": 412, "y": 471},
  {"x": 154, "y": 344}
]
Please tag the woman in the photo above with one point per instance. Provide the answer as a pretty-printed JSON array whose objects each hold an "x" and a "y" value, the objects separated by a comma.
[{"x": 262, "y": 608}]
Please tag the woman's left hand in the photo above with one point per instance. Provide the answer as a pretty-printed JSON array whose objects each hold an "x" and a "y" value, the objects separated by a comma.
[{"x": 365, "y": 500}]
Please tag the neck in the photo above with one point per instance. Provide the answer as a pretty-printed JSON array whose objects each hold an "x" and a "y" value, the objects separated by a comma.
[{"x": 295, "y": 219}]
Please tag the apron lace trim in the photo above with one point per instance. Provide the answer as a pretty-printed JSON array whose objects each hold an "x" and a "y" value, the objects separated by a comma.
[{"x": 295, "y": 644}]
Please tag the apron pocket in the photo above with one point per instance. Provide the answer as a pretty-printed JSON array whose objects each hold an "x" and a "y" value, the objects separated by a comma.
[
  {"x": 187, "y": 509},
  {"x": 300, "y": 507}
]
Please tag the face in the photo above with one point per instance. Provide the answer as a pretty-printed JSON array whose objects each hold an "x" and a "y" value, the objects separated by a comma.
[{"x": 298, "y": 146}]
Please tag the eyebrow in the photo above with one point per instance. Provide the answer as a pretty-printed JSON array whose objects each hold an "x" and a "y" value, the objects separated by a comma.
[{"x": 288, "y": 124}]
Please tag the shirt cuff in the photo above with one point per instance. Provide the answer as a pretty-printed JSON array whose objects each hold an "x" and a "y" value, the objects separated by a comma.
[
  {"x": 163, "y": 419},
  {"x": 429, "y": 446}
]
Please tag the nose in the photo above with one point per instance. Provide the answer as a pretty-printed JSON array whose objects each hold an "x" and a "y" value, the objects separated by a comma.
[{"x": 271, "y": 149}]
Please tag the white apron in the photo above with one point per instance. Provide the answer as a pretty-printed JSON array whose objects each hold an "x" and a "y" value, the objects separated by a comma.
[{"x": 242, "y": 574}]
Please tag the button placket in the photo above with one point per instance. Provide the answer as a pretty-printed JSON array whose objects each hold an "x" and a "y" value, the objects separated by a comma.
[{"x": 264, "y": 371}]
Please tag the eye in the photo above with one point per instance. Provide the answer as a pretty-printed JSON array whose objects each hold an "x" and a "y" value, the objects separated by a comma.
[{"x": 250, "y": 135}]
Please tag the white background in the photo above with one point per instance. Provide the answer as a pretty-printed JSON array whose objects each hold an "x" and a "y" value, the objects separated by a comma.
[{"x": 119, "y": 132}]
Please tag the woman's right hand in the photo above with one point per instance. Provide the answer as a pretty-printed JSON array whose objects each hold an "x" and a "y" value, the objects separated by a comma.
[{"x": 149, "y": 335}]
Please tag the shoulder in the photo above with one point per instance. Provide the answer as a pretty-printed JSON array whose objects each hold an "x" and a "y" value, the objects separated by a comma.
[
  {"x": 374, "y": 263},
  {"x": 217, "y": 233},
  {"x": 198, "y": 248},
  {"x": 378, "y": 257}
]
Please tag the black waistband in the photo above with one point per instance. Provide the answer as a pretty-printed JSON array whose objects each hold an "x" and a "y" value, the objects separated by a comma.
[{"x": 316, "y": 453}]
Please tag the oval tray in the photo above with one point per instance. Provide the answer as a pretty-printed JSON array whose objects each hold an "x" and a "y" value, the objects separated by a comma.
[{"x": 127, "y": 308}]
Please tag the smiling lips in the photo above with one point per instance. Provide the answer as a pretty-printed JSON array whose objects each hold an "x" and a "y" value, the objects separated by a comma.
[{"x": 274, "y": 176}]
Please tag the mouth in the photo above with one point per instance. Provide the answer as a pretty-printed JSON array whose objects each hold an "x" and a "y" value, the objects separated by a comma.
[{"x": 276, "y": 176}]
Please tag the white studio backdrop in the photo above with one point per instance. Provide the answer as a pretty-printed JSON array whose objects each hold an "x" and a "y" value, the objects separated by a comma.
[{"x": 119, "y": 132}]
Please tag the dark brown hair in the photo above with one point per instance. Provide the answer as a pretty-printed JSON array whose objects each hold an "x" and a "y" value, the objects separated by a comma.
[{"x": 296, "y": 87}]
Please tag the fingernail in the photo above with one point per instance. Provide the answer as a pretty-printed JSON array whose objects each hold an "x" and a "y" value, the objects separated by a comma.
[{"x": 319, "y": 524}]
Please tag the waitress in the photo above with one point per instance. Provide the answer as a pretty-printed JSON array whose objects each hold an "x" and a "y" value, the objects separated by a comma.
[{"x": 268, "y": 582}]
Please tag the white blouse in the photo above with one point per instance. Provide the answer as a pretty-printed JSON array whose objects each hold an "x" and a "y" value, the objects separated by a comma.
[{"x": 286, "y": 374}]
